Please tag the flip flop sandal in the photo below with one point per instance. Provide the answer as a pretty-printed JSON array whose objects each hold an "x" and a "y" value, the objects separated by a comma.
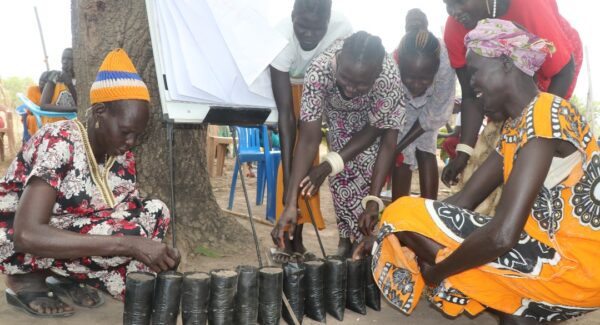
[
  {"x": 68, "y": 287},
  {"x": 22, "y": 300},
  {"x": 302, "y": 258},
  {"x": 309, "y": 256},
  {"x": 278, "y": 257}
]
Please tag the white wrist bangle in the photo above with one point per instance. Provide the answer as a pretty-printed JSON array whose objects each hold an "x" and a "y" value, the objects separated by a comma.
[
  {"x": 464, "y": 148},
  {"x": 368, "y": 198},
  {"x": 335, "y": 161}
]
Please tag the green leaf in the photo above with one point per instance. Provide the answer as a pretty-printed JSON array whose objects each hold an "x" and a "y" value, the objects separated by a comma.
[{"x": 206, "y": 252}]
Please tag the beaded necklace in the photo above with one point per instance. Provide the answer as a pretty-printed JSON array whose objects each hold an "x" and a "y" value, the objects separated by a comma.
[{"x": 100, "y": 179}]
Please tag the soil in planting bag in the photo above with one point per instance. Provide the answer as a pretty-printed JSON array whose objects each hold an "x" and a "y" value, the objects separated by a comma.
[
  {"x": 372, "y": 295},
  {"x": 314, "y": 305},
  {"x": 355, "y": 286},
  {"x": 195, "y": 293},
  {"x": 246, "y": 300},
  {"x": 167, "y": 295},
  {"x": 223, "y": 286},
  {"x": 139, "y": 290},
  {"x": 270, "y": 295},
  {"x": 335, "y": 286},
  {"x": 293, "y": 288}
]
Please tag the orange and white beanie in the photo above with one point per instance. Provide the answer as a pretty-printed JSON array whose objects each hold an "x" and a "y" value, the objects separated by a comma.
[{"x": 117, "y": 79}]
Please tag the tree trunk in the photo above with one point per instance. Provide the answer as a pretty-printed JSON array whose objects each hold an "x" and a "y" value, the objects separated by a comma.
[{"x": 101, "y": 25}]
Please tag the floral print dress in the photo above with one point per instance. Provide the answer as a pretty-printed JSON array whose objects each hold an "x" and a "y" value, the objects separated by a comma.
[
  {"x": 552, "y": 272},
  {"x": 91, "y": 198},
  {"x": 381, "y": 107}
]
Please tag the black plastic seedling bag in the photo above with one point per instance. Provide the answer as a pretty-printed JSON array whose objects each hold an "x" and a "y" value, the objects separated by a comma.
[
  {"x": 293, "y": 288},
  {"x": 270, "y": 295},
  {"x": 166, "y": 298},
  {"x": 314, "y": 306},
  {"x": 372, "y": 295},
  {"x": 195, "y": 293},
  {"x": 139, "y": 290},
  {"x": 246, "y": 300},
  {"x": 335, "y": 287},
  {"x": 355, "y": 287},
  {"x": 223, "y": 286}
]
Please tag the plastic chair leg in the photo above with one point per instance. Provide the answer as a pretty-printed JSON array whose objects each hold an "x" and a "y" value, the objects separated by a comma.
[
  {"x": 261, "y": 177},
  {"x": 272, "y": 187},
  {"x": 233, "y": 181}
]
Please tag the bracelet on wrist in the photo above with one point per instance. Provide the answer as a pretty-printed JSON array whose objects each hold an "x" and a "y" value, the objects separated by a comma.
[
  {"x": 465, "y": 148},
  {"x": 335, "y": 161},
  {"x": 377, "y": 200}
]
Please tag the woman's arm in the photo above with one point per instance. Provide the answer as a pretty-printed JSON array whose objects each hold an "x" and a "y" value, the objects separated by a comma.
[
  {"x": 47, "y": 94},
  {"x": 481, "y": 184},
  {"x": 471, "y": 119},
  {"x": 561, "y": 82},
  {"x": 357, "y": 144},
  {"x": 385, "y": 159},
  {"x": 304, "y": 153},
  {"x": 282, "y": 92},
  {"x": 502, "y": 232},
  {"x": 383, "y": 164},
  {"x": 415, "y": 132},
  {"x": 34, "y": 235}
]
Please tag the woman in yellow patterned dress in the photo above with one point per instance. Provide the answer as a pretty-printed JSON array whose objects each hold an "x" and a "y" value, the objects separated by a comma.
[{"x": 536, "y": 259}]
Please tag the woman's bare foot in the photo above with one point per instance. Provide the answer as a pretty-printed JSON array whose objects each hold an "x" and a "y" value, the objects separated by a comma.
[
  {"x": 81, "y": 294},
  {"x": 35, "y": 282}
]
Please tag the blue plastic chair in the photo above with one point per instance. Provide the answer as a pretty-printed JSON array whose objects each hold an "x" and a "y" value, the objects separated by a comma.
[
  {"x": 250, "y": 140},
  {"x": 38, "y": 112},
  {"x": 22, "y": 111}
]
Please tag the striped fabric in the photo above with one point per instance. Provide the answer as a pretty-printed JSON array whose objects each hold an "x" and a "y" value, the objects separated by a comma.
[{"x": 117, "y": 79}]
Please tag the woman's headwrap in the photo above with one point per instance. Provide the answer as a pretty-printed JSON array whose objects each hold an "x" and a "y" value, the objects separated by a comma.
[
  {"x": 494, "y": 38},
  {"x": 117, "y": 79}
]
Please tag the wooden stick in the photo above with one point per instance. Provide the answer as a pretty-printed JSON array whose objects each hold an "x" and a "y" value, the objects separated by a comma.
[{"x": 245, "y": 216}]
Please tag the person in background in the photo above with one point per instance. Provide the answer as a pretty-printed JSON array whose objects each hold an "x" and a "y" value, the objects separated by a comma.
[
  {"x": 428, "y": 83},
  {"x": 558, "y": 74},
  {"x": 34, "y": 93},
  {"x": 313, "y": 27},
  {"x": 59, "y": 94}
]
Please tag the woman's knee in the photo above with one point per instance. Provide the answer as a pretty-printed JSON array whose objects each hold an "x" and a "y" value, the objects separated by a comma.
[{"x": 157, "y": 208}]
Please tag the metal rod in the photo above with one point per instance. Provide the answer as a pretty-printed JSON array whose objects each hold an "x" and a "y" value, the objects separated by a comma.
[
  {"x": 312, "y": 220},
  {"x": 37, "y": 17},
  {"x": 172, "y": 177},
  {"x": 239, "y": 170}
]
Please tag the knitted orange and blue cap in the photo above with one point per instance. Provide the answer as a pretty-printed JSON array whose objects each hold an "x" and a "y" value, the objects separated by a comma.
[{"x": 117, "y": 79}]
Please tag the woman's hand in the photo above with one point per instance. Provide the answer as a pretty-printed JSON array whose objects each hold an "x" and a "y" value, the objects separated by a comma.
[
  {"x": 368, "y": 219},
  {"x": 429, "y": 273},
  {"x": 289, "y": 216},
  {"x": 363, "y": 248},
  {"x": 316, "y": 176},
  {"x": 454, "y": 168},
  {"x": 156, "y": 255}
]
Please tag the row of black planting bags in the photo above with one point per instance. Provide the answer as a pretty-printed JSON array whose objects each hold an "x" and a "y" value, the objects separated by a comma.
[{"x": 249, "y": 295}]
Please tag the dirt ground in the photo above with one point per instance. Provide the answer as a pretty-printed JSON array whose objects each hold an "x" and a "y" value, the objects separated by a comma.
[{"x": 111, "y": 312}]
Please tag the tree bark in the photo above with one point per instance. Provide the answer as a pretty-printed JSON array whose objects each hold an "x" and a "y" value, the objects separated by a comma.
[{"x": 101, "y": 25}]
